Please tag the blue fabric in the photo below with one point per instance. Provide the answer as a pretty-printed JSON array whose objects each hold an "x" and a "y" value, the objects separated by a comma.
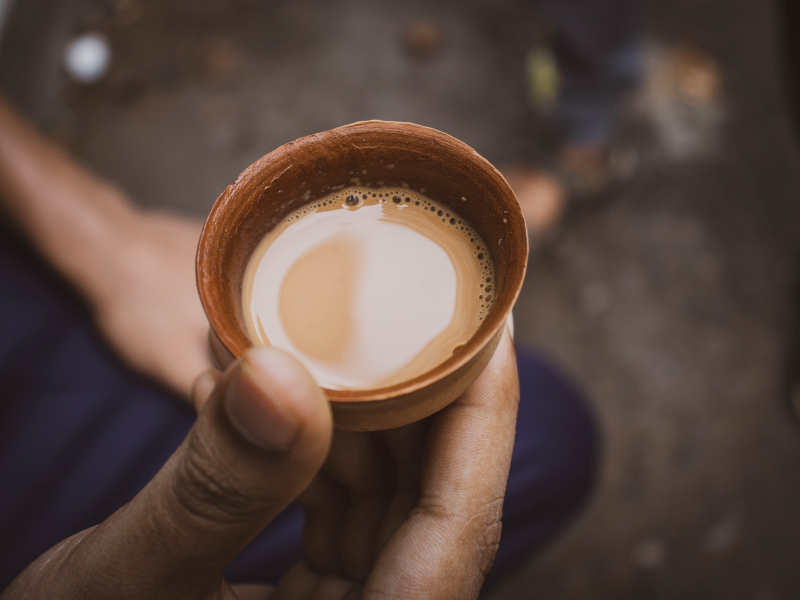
[
  {"x": 80, "y": 435},
  {"x": 600, "y": 57},
  {"x": 553, "y": 465}
]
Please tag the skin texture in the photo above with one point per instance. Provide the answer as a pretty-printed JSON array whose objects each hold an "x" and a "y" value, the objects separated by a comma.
[{"x": 410, "y": 513}]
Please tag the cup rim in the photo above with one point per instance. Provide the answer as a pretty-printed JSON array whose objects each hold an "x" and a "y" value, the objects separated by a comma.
[{"x": 237, "y": 342}]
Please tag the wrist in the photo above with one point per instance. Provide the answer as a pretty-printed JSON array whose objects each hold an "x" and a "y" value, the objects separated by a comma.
[
  {"x": 96, "y": 250},
  {"x": 77, "y": 221}
]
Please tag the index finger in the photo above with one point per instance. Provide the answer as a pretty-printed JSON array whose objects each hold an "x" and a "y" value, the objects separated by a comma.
[
  {"x": 468, "y": 453},
  {"x": 447, "y": 545}
]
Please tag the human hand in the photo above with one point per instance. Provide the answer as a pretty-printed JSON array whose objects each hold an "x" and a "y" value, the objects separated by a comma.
[
  {"x": 135, "y": 267},
  {"x": 262, "y": 435},
  {"x": 425, "y": 527},
  {"x": 145, "y": 298},
  {"x": 414, "y": 512}
]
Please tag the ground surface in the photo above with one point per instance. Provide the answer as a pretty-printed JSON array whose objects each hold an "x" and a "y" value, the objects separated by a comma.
[{"x": 671, "y": 304}]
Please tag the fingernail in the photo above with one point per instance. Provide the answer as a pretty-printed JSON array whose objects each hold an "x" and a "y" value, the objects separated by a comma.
[{"x": 256, "y": 410}]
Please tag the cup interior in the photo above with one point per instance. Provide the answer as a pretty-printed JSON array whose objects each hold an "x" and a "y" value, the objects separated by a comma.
[{"x": 374, "y": 154}]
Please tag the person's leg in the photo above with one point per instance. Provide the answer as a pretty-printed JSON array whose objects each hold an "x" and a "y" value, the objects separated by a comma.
[
  {"x": 80, "y": 434},
  {"x": 553, "y": 466},
  {"x": 598, "y": 49}
]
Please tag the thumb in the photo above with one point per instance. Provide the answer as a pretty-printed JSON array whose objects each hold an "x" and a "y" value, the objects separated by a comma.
[{"x": 258, "y": 442}]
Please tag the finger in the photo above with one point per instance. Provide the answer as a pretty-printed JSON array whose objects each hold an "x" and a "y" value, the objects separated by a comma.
[
  {"x": 361, "y": 464},
  {"x": 178, "y": 359},
  {"x": 333, "y": 528},
  {"x": 405, "y": 445},
  {"x": 447, "y": 545},
  {"x": 299, "y": 583},
  {"x": 303, "y": 583},
  {"x": 260, "y": 439},
  {"x": 195, "y": 358},
  {"x": 335, "y": 588},
  {"x": 340, "y": 538},
  {"x": 326, "y": 503},
  {"x": 253, "y": 592},
  {"x": 203, "y": 386},
  {"x": 220, "y": 355}
]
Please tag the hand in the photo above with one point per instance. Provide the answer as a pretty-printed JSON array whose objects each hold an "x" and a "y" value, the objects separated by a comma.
[
  {"x": 135, "y": 268},
  {"x": 413, "y": 513},
  {"x": 425, "y": 527},
  {"x": 145, "y": 300}
]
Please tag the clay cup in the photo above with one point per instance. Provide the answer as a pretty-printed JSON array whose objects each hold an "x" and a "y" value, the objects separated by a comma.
[{"x": 374, "y": 154}]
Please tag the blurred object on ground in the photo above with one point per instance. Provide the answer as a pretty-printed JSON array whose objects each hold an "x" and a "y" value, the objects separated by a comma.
[
  {"x": 683, "y": 100},
  {"x": 580, "y": 177},
  {"x": 695, "y": 74},
  {"x": 423, "y": 39},
  {"x": 543, "y": 79},
  {"x": 223, "y": 60},
  {"x": 87, "y": 57},
  {"x": 579, "y": 82}
]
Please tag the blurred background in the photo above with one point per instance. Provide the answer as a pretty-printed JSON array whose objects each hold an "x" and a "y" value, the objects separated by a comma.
[{"x": 672, "y": 303}]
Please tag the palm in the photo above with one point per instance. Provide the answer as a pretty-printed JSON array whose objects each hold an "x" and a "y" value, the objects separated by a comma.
[
  {"x": 412, "y": 513},
  {"x": 383, "y": 514}
]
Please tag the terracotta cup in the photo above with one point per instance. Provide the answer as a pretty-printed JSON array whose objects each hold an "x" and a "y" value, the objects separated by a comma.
[{"x": 375, "y": 154}]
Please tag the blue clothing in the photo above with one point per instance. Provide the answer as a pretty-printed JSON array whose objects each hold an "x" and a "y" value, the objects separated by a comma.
[
  {"x": 81, "y": 434},
  {"x": 600, "y": 57}
]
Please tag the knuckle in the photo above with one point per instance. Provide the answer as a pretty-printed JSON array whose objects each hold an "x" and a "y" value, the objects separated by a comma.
[
  {"x": 203, "y": 490},
  {"x": 488, "y": 546},
  {"x": 488, "y": 526},
  {"x": 480, "y": 528}
]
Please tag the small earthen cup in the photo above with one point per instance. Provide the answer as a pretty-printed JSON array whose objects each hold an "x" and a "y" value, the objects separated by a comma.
[{"x": 374, "y": 154}]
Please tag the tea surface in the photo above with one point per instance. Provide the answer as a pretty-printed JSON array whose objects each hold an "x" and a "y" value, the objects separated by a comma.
[{"x": 368, "y": 287}]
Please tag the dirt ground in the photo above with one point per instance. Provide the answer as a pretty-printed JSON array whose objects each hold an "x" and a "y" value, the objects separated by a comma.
[{"x": 672, "y": 303}]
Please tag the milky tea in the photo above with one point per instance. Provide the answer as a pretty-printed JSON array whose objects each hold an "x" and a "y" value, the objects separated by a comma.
[{"x": 368, "y": 287}]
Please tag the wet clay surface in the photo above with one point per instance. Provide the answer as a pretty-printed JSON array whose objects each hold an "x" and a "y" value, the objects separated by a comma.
[{"x": 671, "y": 304}]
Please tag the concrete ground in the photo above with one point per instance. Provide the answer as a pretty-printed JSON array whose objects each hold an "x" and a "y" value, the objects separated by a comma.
[{"x": 672, "y": 303}]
